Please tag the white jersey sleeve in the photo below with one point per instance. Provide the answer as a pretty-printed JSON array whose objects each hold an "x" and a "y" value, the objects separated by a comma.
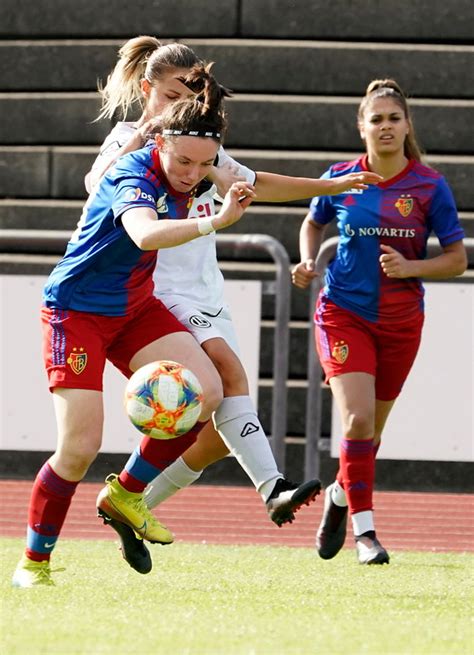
[
  {"x": 225, "y": 160},
  {"x": 117, "y": 138}
]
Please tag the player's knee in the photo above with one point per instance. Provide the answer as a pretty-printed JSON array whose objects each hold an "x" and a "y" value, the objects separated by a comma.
[
  {"x": 229, "y": 367},
  {"x": 359, "y": 426},
  {"x": 75, "y": 464},
  {"x": 213, "y": 395}
]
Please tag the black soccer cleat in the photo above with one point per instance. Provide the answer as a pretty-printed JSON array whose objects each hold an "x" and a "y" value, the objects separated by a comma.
[
  {"x": 331, "y": 533},
  {"x": 287, "y": 498},
  {"x": 132, "y": 547},
  {"x": 370, "y": 550}
]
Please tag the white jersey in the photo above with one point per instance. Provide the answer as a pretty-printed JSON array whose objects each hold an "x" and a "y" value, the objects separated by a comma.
[{"x": 188, "y": 273}]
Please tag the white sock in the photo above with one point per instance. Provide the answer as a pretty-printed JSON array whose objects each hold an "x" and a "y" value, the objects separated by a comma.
[
  {"x": 362, "y": 522},
  {"x": 338, "y": 495},
  {"x": 237, "y": 422},
  {"x": 175, "y": 476}
]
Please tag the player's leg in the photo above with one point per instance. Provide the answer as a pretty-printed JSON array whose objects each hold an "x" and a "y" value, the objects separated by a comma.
[
  {"x": 281, "y": 496},
  {"x": 79, "y": 419},
  {"x": 332, "y": 530},
  {"x": 122, "y": 498},
  {"x": 73, "y": 351},
  {"x": 397, "y": 346},
  {"x": 188, "y": 467},
  {"x": 237, "y": 424},
  {"x": 354, "y": 394},
  {"x": 347, "y": 351},
  {"x": 208, "y": 447}
]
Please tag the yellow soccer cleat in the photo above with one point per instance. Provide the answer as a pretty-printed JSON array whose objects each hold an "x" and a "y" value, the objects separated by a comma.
[
  {"x": 29, "y": 573},
  {"x": 115, "y": 502}
]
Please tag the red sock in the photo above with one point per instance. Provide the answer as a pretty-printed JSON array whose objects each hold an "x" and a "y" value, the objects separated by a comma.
[
  {"x": 50, "y": 499},
  {"x": 357, "y": 469},
  {"x": 152, "y": 457},
  {"x": 339, "y": 473}
]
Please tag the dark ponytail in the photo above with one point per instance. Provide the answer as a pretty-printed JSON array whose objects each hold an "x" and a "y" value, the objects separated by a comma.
[{"x": 204, "y": 113}]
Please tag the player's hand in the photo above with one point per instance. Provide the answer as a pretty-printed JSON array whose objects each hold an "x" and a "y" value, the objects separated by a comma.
[
  {"x": 303, "y": 274},
  {"x": 149, "y": 129},
  {"x": 393, "y": 263},
  {"x": 236, "y": 201},
  {"x": 224, "y": 176},
  {"x": 358, "y": 181}
]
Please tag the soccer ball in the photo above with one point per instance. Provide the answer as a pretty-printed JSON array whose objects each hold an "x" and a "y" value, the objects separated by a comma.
[{"x": 163, "y": 399}]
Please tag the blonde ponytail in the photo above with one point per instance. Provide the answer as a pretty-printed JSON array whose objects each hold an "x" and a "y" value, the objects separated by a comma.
[
  {"x": 123, "y": 89},
  {"x": 143, "y": 57}
]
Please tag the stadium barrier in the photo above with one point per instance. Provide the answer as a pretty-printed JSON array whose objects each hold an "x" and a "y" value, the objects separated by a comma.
[
  {"x": 54, "y": 242},
  {"x": 314, "y": 443}
]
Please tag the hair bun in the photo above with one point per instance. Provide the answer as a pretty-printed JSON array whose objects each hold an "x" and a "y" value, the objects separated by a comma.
[{"x": 384, "y": 84}]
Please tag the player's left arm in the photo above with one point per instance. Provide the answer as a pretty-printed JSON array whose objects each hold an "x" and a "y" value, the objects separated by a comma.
[
  {"x": 451, "y": 263},
  {"x": 272, "y": 187},
  {"x": 442, "y": 218}
]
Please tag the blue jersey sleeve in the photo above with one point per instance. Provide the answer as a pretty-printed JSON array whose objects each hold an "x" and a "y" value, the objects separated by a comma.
[
  {"x": 443, "y": 217},
  {"x": 133, "y": 192},
  {"x": 321, "y": 208}
]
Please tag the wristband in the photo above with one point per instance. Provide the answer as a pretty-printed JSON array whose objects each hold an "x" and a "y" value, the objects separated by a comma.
[{"x": 205, "y": 225}]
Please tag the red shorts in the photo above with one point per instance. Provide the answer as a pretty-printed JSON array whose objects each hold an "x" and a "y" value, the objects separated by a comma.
[
  {"x": 77, "y": 344},
  {"x": 348, "y": 343}
]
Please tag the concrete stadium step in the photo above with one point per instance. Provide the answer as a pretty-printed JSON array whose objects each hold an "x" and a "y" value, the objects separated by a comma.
[
  {"x": 58, "y": 172},
  {"x": 60, "y": 18},
  {"x": 244, "y": 65},
  {"x": 255, "y": 121},
  {"x": 404, "y": 20}
]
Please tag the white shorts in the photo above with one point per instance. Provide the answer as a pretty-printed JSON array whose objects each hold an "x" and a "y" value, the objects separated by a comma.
[{"x": 205, "y": 326}]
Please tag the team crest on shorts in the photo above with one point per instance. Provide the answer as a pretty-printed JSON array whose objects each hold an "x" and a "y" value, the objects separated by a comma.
[
  {"x": 77, "y": 360},
  {"x": 404, "y": 205},
  {"x": 340, "y": 352}
]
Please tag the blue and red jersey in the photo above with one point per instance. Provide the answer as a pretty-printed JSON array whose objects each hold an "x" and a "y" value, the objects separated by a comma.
[
  {"x": 103, "y": 271},
  {"x": 400, "y": 212}
]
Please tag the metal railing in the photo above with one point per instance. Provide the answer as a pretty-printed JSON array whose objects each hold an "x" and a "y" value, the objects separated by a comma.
[
  {"x": 54, "y": 242},
  {"x": 314, "y": 392}
]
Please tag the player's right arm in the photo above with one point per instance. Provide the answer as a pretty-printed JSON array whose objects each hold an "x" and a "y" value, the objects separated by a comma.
[
  {"x": 311, "y": 238},
  {"x": 148, "y": 233}
]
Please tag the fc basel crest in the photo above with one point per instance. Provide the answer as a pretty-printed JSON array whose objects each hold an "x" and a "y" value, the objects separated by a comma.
[
  {"x": 404, "y": 205},
  {"x": 77, "y": 360},
  {"x": 340, "y": 352}
]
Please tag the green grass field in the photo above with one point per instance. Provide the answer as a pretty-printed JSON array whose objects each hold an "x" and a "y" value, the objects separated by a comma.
[{"x": 209, "y": 600}]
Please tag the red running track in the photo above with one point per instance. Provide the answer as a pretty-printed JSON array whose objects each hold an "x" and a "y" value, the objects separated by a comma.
[{"x": 236, "y": 515}]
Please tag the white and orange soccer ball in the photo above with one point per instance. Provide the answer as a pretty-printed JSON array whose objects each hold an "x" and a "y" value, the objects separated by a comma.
[{"x": 163, "y": 399}]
